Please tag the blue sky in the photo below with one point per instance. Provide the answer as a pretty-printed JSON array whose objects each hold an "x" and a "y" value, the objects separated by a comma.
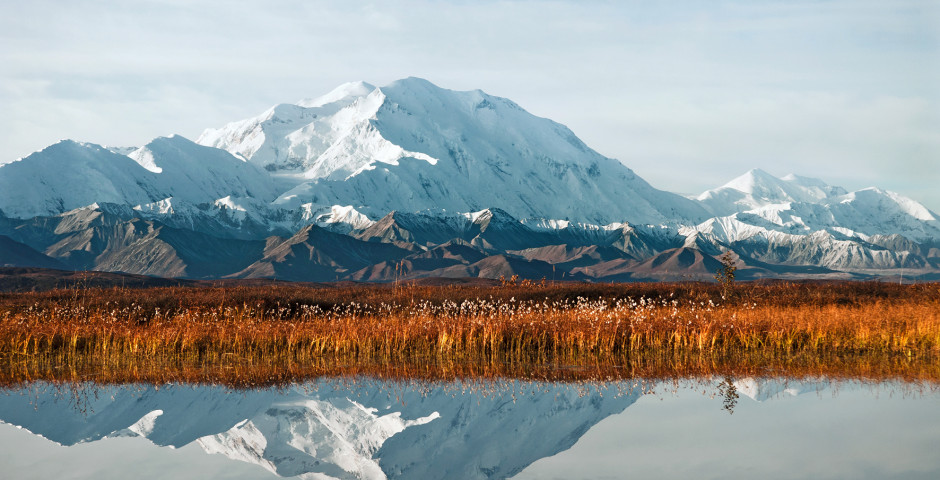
[{"x": 688, "y": 94}]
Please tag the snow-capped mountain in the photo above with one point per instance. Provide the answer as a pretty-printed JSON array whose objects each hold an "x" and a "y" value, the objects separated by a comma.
[
  {"x": 365, "y": 430},
  {"x": 801, "y": 221},
  {"x": 459, "y": 183},
  {"x": 412, "y": 146},
  {"x": 757, "y": 188},
  {"x": 71, "y": 175},
  {"x": 800, "y": 205}
]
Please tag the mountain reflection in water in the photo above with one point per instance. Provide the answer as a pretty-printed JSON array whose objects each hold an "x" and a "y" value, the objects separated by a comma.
[{"x": 472, "y": 429}]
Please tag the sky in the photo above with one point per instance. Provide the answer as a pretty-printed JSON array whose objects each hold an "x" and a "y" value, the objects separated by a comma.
[{"x": 689, "y": 94}]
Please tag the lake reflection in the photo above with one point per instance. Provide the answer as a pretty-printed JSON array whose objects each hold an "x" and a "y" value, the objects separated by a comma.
[{"x": 720, "y": 428}]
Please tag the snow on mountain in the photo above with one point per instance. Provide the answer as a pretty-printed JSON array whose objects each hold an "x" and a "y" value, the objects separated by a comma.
[
  {"x": 330, "y": 137},
  {"x": 757, "y": 188},
  {"x": 874, "y": 211},
  {"x": 347, "y": 91},
  {"x": 831, "y": 247},
  {"x": 412, "y": 146},
  {"x": 321, "y": 430},
  {"x": 802, "y": 221},
  {"x": 450, "y": 165},
  {"x": 347, "y": 216},
  {"x": 248, "y": 218},
  {"x": 765, "y": 203},
  {"x": 195, "y": 173},
  {"x": 71, "y": 175}
]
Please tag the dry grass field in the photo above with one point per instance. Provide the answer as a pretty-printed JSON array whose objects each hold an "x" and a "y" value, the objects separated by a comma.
[{"x": 246, "y": 335}]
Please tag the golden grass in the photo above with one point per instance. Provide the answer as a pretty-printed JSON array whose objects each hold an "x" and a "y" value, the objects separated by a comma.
[{"x": 267, "y": 335}]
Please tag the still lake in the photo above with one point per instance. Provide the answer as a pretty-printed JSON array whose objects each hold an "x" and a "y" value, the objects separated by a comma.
[{"x": 364, "y": 428}]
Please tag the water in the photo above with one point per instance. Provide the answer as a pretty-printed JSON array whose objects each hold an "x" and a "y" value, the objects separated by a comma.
[{"x": 716, "y": 428}]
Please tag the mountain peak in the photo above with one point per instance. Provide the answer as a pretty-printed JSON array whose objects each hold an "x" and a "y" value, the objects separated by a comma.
[
  {"x": 414, "y": 83},
  {"x": 753, "y": 179},
  {"x": 757, "y": 189},
  {"x": 69, "y": 145},
  {"x": 413, "y": 146},
  {"x": 493, "y": 215},
  {"x": 174, "y": 143},
  {"x": 345, "y": 91},
  {"x": 194, "y": 161}
]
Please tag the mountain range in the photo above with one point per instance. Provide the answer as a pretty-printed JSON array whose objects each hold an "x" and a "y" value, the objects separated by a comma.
[{"x": 411, "y": 180}]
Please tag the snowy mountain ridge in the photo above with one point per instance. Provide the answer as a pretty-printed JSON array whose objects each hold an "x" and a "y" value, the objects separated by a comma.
[
  {"x": 412, "y": 146},
  {"x": 757, "y": 188},
  {"x": 453, "y": 166},
  {"x": 792, "y": 204}
]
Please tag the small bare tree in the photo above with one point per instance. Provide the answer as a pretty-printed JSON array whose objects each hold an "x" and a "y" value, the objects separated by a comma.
[{"x": 725, "y": 274}]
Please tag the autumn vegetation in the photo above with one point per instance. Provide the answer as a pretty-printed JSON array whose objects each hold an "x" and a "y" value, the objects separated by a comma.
[{"x": 268, "y": 334}]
